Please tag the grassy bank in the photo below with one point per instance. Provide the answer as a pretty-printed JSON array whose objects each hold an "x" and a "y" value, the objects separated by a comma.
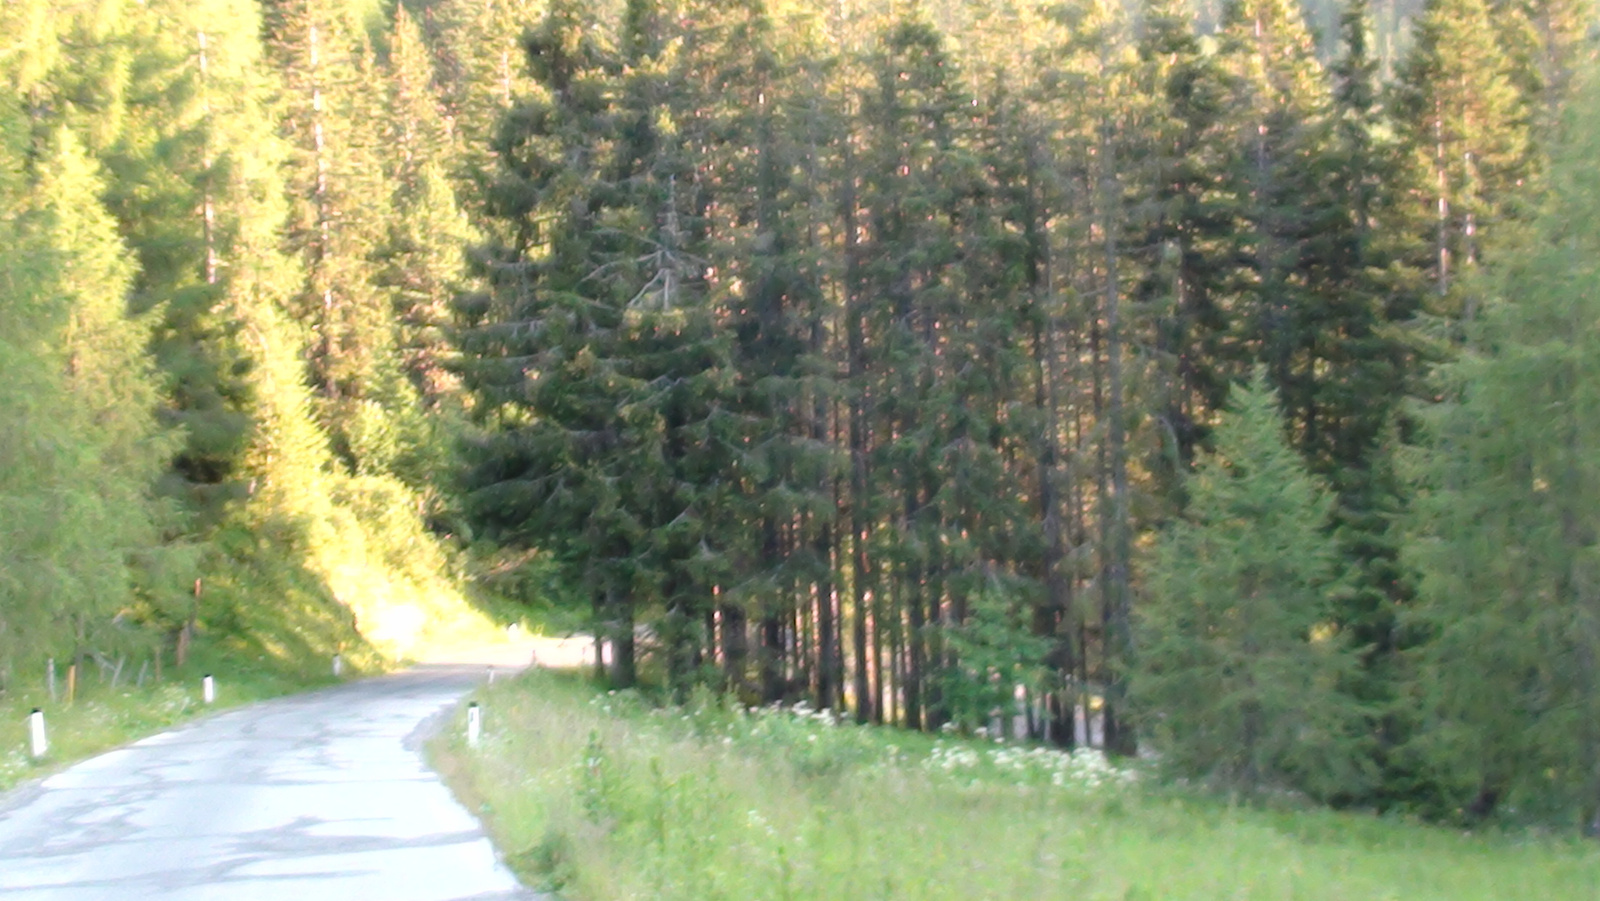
[
  {"x": 273, "y": 614},
  {"x": 101, "y": 717},
  {"x": 602, "y": 798}
]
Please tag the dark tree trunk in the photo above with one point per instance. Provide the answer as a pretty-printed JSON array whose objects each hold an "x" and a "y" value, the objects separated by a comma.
[
  {"x": 1119, "y": 735},
  {"x": 911, "y": 601},
  {"x": 860, "y": 521},
  {"x": 624, "y": 668},
  {"x": 735, "y": 647}
]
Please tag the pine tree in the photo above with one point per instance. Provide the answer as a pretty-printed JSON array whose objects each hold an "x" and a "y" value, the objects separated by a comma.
[{"x": 1239, "y": 660}]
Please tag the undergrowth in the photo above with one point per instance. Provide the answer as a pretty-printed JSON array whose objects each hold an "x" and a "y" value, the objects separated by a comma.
[{"x": 603, "y": 797}]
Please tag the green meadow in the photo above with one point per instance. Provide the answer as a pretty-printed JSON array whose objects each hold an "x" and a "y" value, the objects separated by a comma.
[{"x": 602, "y": 797}]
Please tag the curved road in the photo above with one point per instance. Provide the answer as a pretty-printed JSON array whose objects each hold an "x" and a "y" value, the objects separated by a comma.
[{"x": 317, "y": 797}]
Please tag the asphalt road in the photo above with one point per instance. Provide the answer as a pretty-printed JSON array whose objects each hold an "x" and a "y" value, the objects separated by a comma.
[{"x": 317, "y": 797}]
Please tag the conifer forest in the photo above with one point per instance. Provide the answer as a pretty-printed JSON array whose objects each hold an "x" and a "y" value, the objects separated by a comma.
[{"x": 1214, "y": 381}]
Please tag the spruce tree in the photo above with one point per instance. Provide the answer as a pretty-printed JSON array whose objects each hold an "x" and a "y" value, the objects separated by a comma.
[
  {"x": 593, "y": 355},
  {"x": 1361, "y": 365},
  {"x": 920, "y": 187},
  {"x": 744, "y": 95},
  {"x": 176, "y": 173},
  {"x": 482, "y": 74},
  {"x": 1182, "y": 229},
  {"x": 1240, "y": 661},
  {"x": 1277, "y": 114}
]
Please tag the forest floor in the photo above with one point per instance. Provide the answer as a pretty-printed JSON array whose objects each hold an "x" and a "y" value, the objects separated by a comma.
[{"x": 600, "y": 796}]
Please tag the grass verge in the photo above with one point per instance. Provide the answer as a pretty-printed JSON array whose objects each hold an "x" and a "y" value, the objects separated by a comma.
[
  {"x": 602, "y": 798},
  {"x": 102, "y": 717}
]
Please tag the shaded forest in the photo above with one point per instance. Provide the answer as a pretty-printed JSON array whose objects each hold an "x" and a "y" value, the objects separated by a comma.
[{"x": 1206, "y": 382}]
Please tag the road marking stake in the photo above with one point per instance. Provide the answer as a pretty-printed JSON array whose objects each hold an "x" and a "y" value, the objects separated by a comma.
[
  {"x": 491, "y": 675},
  {"x": 208, "y": 689},
  {"x": 36, "y": 730},
  {"x": 474, "y": 724},
  {"x": 338, "y": 664}
]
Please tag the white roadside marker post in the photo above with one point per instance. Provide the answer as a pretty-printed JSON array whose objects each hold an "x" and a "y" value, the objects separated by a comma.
[
  {"x": 338, "y": 664},
  {"x": 208, "y": 689},
  {"x": 41, "y": 745},
  {"x": 491, "y": 675},
  {"x": 474, "y": 724}
]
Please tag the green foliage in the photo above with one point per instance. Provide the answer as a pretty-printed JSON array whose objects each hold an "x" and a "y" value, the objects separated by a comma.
[
  {"x": 1501, "y": 531},
  {"x": 1240, "y": 664},
  {"x": 996, "y": 652},
  {"x": 83, "y": 447},
  {"x": 594, "y": 358},
  {"x": 1467, "y": 133},
  {"x": 829, "y": 351},
  {"x": 705, "y": 802},
  {"x": 167, "y": 478}
]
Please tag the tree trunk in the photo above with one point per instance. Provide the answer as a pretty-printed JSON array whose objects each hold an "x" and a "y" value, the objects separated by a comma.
[
  {"x": 911, "y": 602},
  {"x": 1119, "y": 734},
  {"x": 624, "y": 668},
  {"x": 860, "y": 522}
]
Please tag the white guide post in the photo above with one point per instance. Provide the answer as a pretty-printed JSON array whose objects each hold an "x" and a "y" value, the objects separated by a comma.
[
  {"x": 208, "y": 689},
  {"x": 474, "y": 724},
  {"x": 40, "y": 744},
  {"x": 338, "y": 664}
]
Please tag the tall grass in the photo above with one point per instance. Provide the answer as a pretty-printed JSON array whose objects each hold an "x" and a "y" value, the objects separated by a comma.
[{"x": 603, "y": 798}]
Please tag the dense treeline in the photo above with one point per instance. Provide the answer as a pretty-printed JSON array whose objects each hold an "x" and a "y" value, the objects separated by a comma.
[
  {"x": 1200, "y": 378},
  {"x": 168, "y": 465},
  {"x": 841, "y": 357}
]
